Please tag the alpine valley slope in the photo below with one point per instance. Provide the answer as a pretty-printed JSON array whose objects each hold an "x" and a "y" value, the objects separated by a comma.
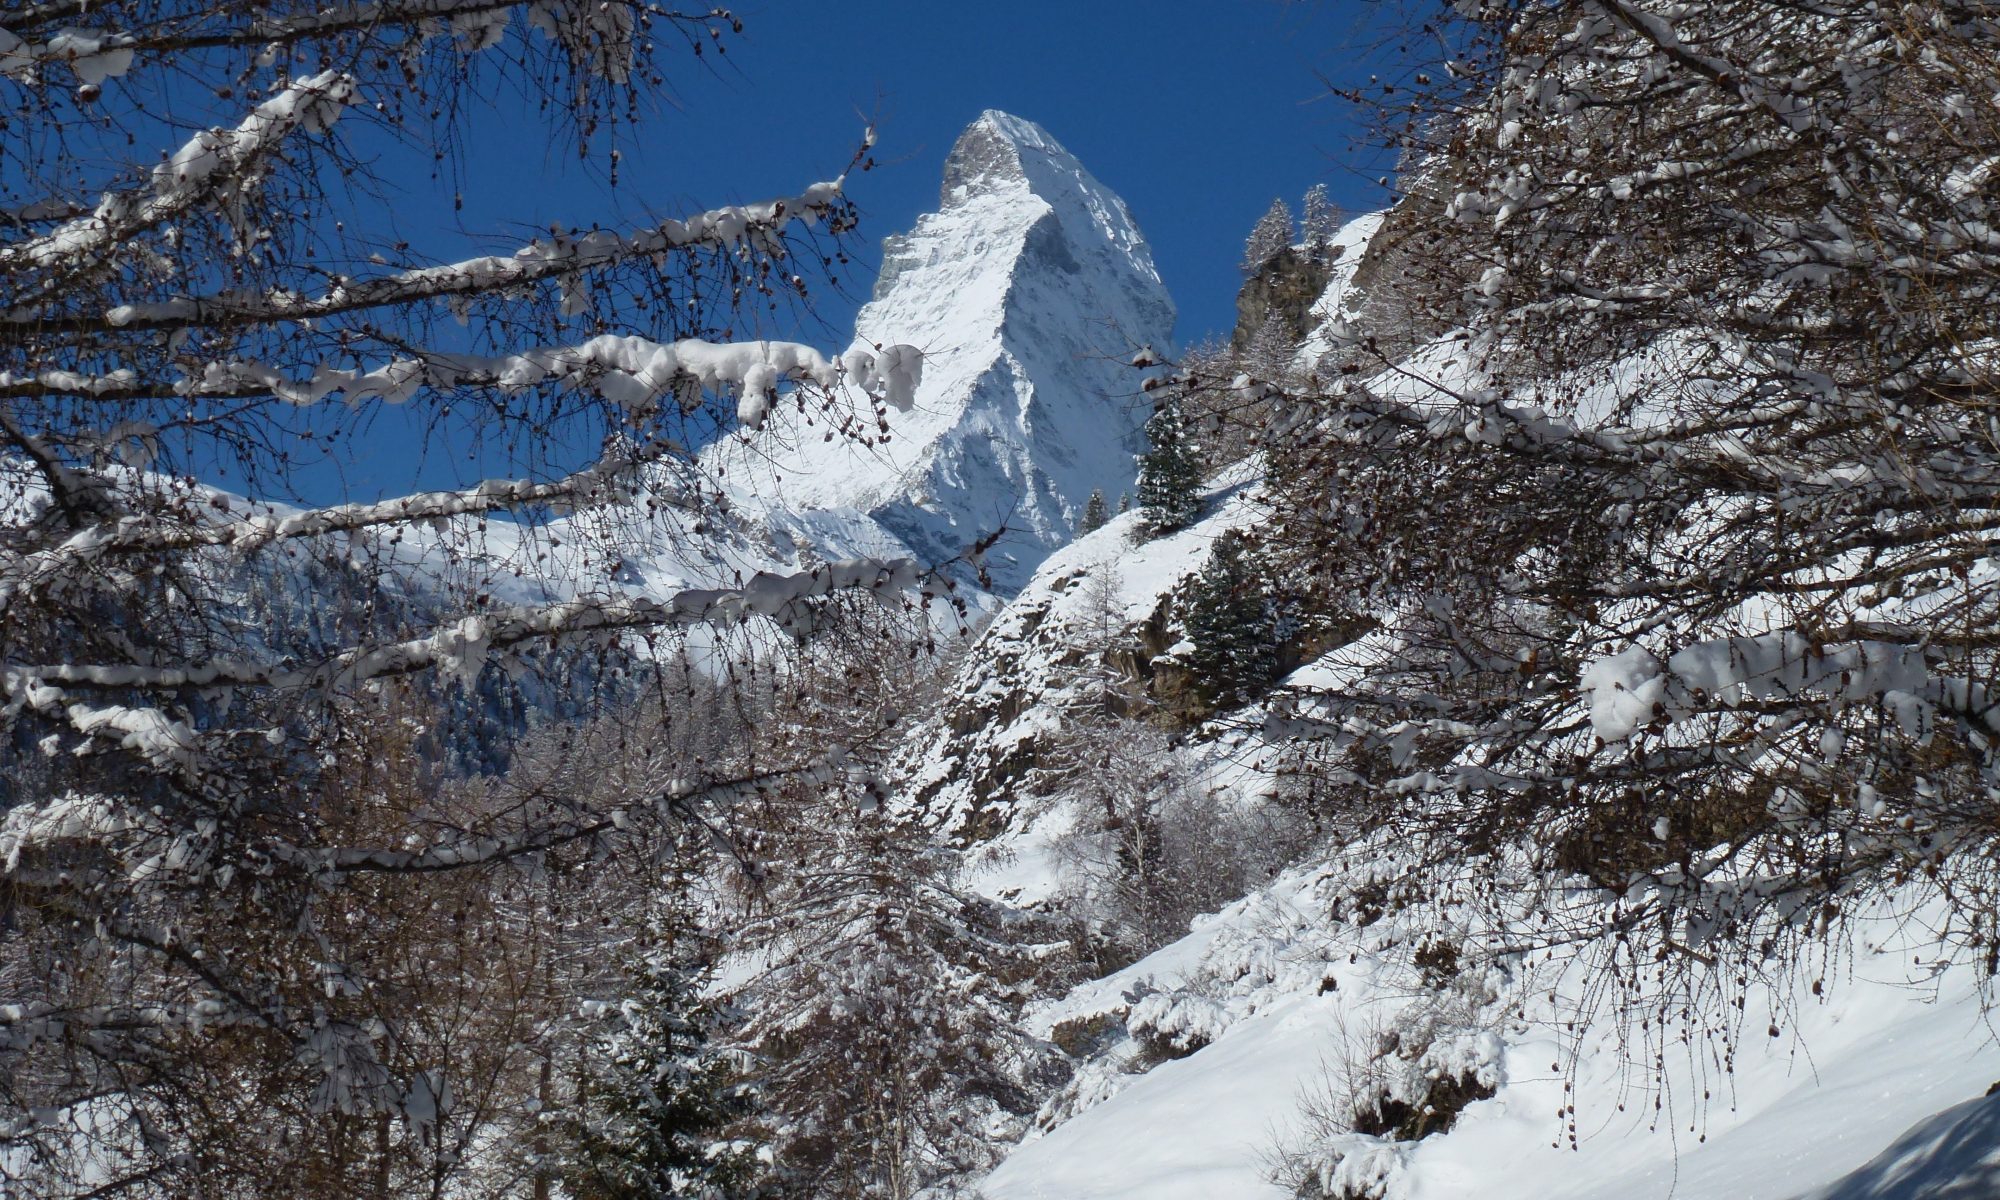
[
  {"x": 1208, "y": 1069},
  {"x": 1027, "y": 291},
  {"x": 1873, "y": 1092}
]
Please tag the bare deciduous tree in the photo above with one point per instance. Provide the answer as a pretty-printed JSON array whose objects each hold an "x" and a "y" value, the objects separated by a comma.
[
  {"x": 176, "y": 879},
  {"x": 1672, "y": 547}
]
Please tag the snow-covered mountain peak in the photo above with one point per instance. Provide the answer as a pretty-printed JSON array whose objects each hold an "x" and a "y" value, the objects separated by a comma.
[
  {"x": 1002, "y": 154},
  {"x": 1027, "y": 291}
]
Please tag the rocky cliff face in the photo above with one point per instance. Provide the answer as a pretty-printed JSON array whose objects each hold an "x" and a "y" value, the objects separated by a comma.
[
  {"x": 1027, "y": 291},
  {"x": 1282, "y": 290}
]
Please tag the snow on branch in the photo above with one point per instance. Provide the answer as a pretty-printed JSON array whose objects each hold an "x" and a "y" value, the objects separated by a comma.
[
  {"x": 551, "y": 258},
  {"x": 1635, "y": 687},
  {"x": 94, "y": 56},
  {"x": 250, "y": 531},
  {"x": 634, "y": 372},
  {"x": 208, "y": 163}
]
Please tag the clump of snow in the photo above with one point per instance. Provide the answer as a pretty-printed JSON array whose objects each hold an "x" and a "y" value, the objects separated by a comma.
[
  {"x": 1633, "y": 687},
  {"x": 1625, "y": 690}
]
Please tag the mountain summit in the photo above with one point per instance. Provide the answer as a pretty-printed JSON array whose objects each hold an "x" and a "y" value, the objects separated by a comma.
[{"x": 1027, "y": 291}]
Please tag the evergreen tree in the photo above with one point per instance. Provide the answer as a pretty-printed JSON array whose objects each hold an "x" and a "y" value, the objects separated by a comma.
[
  {"x": 1124, "y": 503},
  {"x": 1228, "y": 618},
  {"x": 1095, "y": 513},
  {"x": 657, "y": 1094},
  {"x": 1169, "y": 471},
  {"x": 1272, "y": 235},
  {"x": 1321, "y": 220}
]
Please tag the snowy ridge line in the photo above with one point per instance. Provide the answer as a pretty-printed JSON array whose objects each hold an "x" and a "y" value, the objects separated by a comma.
[
  {"x": 206, "y": 161},
  {"x": 1028, "y": 287}
]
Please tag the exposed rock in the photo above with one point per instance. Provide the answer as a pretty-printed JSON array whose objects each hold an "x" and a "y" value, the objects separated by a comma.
[{"x": 1285, "y": 287}]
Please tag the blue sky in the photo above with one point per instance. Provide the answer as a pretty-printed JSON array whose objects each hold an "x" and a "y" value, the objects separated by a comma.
[{"x": 1197, "y": 113}]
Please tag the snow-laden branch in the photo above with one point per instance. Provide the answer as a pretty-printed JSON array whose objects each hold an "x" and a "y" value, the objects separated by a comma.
[
  {"x": 212, "y": 160},
  {"x": 1636, "y": 686},
  {"x": 561, "y": 258},
  {"x": 95, "y": 56},
  {"x": 249, "y": 531},
  {"x": 634, "y": 372}
]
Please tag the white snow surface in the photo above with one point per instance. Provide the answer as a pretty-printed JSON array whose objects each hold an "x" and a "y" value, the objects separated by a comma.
[
  {"x": 1871, "y": 1092},
  {"x": 1340, "y": 301},
  {"x": 1027, "y": 292},
  {"x": 1014, "y": 678}
]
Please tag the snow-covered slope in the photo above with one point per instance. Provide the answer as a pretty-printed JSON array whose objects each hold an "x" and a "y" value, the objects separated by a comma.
[
  {"x": 1872, "y": 1087},
  {"x": 1013, "y": 686},
  {"x": 1872, "y": 1091},
  {"x": 1027, "y": 291},
  {"x": 1341, "y": 301}
]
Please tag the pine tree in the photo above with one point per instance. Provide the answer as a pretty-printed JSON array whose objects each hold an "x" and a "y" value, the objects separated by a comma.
[
  {"x": 1321, "y": 221},
  {"x": 1124, "y": 503},
  {"x": 657, "y": 1094},
  {"x": 1272, "y": 235},
  {"x": 1095, "y": 513},
  {"x": 1169, "y": 471},
  {"x": 1228, "y": 619}
]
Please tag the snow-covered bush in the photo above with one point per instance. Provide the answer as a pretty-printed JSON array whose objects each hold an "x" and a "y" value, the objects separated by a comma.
[{"x": 1394, "y": 1079}]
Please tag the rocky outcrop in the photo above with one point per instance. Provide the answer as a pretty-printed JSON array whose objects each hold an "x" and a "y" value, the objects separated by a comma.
[{"x": 1285, "y": 289}]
